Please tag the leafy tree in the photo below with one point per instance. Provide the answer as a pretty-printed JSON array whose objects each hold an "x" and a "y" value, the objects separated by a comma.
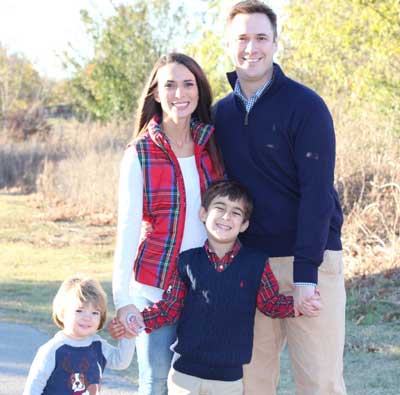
[
  {"x": 211, "y": 56},
  {"x": 20, "y": 83},
  {"x": 209, "y": 46},
  {"x": 346, "y": 49},
  {"x": 125, "y": 48},
  {"x": 22, "y": 96}
]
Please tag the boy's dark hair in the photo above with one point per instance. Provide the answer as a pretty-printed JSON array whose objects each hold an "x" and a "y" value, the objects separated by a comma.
[
  {"x": 254, "y": 7},
  {"x": 231, "y": 189}
]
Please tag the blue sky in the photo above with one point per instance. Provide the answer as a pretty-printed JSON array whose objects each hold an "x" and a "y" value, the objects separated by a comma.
[{"x": 43, "y": 29}]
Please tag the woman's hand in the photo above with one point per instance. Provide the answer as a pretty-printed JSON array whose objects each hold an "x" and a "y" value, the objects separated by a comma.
[{"x": 132, "y": 326}]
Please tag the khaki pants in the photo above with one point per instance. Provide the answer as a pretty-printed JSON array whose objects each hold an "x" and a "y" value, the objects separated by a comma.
[
  {"x": 183, "y": 384},
  {"x": 315, "y": 344}
]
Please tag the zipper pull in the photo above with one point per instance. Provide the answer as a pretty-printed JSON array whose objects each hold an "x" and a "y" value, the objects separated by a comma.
[{"x": 246, "y": 119}]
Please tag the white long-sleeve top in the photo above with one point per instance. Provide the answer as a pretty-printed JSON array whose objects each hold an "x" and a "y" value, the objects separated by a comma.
[{"x": 130, "y": 216}]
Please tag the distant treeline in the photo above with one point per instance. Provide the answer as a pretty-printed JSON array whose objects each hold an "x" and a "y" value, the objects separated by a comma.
[{"x": 346, "y": 50}]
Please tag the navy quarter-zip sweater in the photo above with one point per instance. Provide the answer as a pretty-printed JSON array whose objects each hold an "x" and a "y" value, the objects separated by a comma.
[
  {"x": 215, "y": 330},
  {"x": 283, "y": 152}
]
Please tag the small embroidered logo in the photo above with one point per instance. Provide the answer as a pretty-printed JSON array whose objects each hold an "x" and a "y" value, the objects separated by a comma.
[{"x": 241, "y": 284}]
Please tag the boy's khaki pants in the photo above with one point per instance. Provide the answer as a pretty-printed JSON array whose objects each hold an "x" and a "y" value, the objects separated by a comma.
[
  {"x": 184, "y": 384},
  {"x": 315, "y": 344}
]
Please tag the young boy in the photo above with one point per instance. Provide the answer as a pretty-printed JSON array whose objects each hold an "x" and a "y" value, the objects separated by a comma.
[
  {"x": 215, "y": 293},
  {"x": 72, "y": 362}
]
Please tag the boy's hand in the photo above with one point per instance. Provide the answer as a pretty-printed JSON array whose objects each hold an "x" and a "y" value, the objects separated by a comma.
[{"x": 116, "y": 329}]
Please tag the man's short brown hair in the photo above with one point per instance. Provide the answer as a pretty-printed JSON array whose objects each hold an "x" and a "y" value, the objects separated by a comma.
[{"x": 254, "y": 7}]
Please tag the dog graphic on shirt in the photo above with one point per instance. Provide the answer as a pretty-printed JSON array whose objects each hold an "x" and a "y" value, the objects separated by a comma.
[{"x": 77, "y": 381}]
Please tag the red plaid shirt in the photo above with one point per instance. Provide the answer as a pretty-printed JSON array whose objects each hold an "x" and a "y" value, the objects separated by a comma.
[{"x": 168, "y": 310}]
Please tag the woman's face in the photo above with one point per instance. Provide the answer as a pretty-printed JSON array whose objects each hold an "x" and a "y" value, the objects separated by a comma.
[{"x": 176, "y": 91}]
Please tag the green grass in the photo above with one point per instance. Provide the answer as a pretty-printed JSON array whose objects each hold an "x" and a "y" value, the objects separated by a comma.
[{"x": 37, "y": 254}]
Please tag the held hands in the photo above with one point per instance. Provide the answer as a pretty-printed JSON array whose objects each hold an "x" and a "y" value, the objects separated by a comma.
[
  {"x": 128, "y": 323},
  {"x": 116, "y": 329},
  {"x": 307, "y": 301}
]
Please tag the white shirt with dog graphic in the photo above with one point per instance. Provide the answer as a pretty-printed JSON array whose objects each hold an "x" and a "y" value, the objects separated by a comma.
[{"x": 65, "y": 366}]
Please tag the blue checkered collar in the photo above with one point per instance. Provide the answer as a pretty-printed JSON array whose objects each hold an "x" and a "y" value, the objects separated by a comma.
[{"x": 249, "y": 103}]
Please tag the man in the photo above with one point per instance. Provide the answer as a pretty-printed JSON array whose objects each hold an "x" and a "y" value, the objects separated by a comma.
[{"x": 277, "y": 139}]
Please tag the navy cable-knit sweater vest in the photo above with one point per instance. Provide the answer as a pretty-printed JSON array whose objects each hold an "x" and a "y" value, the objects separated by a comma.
[{"x": 215, "y": 330}]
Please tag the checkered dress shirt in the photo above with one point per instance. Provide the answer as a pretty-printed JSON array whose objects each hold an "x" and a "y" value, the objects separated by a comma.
[{"x": 249, "y": 103}]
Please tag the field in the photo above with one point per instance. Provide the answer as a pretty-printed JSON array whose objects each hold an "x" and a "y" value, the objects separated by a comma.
[
  {"x": 37, "y": 252},
  {"x": 58, "y": 215}
]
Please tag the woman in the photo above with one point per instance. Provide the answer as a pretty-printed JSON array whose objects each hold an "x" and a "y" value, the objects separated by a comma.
[{"x": 171, "y": 161}]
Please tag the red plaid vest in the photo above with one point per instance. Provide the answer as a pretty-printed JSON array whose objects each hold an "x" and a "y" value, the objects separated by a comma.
[{"x": 164, "y": 200}]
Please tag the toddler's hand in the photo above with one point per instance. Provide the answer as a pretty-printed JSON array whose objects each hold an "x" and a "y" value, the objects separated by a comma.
[{"x": 116, "y": 329}]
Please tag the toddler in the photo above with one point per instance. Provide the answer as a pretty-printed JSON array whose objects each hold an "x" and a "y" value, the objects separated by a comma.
[{"x": 73, "y": 361}]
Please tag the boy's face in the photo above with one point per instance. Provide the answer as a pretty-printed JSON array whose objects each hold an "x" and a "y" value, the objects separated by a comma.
[
  {"x": 224, "y": 219},
  {"x": 80, "y": 319}
]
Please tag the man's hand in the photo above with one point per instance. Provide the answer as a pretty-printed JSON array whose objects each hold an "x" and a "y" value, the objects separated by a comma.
[
  {"x": 123, "y": 314},
  {"x": 307, "y": 300}
]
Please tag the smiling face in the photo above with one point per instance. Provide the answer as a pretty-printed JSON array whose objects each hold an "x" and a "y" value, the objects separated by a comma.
[
  {"x": 224, "y": 220},
  {"x": 252, "y": 45},
  {"x": 80, "y": 320},
  {"x": 176, "y": 91}
]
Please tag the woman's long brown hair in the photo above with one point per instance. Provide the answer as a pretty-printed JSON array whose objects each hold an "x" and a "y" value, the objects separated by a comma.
[{"x": 148, "y": 106}]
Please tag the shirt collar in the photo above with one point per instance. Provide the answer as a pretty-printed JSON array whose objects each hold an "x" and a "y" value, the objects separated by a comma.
[
  {"x": 228, "y": 257},
  {"x": 249, "y": 102}
]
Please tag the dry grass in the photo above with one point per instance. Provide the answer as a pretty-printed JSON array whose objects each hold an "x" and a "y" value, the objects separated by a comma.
[
  {"x": 85, "y": 182},
  {"x": 80, "y": 181},
  {"x": 368, "y": 179},
  {"x": 76, "y": 175},
  {"x": 75, "y": 171},
  {"x": 21, "y": 164}
]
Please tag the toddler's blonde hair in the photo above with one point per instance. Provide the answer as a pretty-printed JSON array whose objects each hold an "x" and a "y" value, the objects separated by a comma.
[{"x": 85, "y": 289}]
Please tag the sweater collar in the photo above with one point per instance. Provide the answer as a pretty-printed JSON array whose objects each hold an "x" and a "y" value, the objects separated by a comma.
[{"x": 201, "y": 132}]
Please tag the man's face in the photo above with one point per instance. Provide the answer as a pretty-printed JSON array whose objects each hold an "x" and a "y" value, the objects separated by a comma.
[{"x": 252, "y": 46}]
